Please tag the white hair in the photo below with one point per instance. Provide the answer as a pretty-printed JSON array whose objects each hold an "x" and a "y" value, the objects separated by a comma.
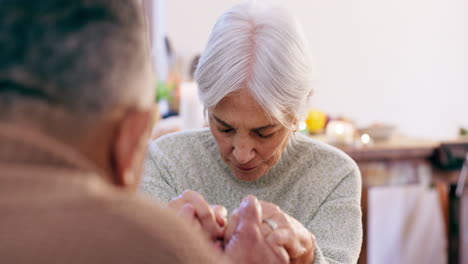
[{"x": 260, "y": 48}]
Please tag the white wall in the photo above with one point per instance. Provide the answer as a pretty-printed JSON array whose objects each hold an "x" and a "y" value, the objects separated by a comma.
[{"x": 403, "y": 62}]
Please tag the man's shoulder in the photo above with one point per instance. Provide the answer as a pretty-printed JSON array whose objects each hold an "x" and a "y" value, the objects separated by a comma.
[
  {"x": 104, "y": 226},
  {"x": 146, "y": 227}
]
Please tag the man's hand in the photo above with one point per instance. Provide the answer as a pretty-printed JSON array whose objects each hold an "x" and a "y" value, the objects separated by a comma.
[
  {"x": 290, "y": 241},
  {"x": 209, "y": 219},
  {"x": 245, "y": 242}
]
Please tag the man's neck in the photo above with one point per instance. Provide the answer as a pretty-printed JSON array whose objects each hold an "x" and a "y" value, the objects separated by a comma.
[{"x": 21, "y": 144}]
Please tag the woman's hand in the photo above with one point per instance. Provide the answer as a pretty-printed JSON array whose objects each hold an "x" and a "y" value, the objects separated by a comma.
[
  {"x": 288, "y": 233},
  {"x": 210, "y": 219},
  {"x": 286, "y": 236}
]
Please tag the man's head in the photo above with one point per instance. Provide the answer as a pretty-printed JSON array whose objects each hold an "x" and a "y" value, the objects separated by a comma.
[{"x": 79, "y": 71}]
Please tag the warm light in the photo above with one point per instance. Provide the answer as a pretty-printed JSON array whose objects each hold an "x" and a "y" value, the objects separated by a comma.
[
  {"x": 339, "y": 132},
  {"x": 339, "y": 129},
  {"x": 302, "y": 125},
  {"x": 365, "y": 138}
]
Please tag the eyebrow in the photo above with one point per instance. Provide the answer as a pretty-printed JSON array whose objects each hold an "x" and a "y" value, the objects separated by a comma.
[
  {"x": 221, "y": 122},
  {"x": 255, "y": 129}
]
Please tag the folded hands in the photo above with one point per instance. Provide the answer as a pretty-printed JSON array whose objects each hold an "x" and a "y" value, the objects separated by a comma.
[{"x": 257, "y": 231}]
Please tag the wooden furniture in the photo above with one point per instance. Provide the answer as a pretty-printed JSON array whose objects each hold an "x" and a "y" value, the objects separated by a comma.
[
  {"x": 397, "y": 148},
  {"x": 375, "y": 161},
  {"x": 387, "y": 154}
]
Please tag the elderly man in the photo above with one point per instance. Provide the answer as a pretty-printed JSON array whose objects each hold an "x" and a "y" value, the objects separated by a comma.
[{"x": 75, "y": 111}]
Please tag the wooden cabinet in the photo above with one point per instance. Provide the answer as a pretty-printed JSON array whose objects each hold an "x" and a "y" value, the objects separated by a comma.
[{"x": 377, "y": 164}]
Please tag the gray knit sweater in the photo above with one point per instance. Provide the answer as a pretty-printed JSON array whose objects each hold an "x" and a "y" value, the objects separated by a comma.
[{"x": 315, "y": 183}]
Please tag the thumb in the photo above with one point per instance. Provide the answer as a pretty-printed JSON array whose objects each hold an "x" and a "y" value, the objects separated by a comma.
[
  {"x": 247, "y": 232},
  {"x": 250, "y": 211}
]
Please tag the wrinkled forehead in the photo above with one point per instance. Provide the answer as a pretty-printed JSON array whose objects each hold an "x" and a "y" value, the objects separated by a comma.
[{"x": 241, "y": 109}]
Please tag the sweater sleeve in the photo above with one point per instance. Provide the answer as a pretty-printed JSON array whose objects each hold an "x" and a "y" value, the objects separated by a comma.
[
  {"x": 158, "y": 175},
  {"x": 337, "y": 225}
]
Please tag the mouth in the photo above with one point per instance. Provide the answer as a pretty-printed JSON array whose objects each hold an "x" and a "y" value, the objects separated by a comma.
[{"x": 246, "y": 168}]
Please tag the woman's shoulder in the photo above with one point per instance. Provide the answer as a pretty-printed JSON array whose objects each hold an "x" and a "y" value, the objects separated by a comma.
[{"x": 322, "y": 167}]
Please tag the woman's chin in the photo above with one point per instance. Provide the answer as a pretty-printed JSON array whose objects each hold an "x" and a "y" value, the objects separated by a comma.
[{"x": 247, "y": 176}]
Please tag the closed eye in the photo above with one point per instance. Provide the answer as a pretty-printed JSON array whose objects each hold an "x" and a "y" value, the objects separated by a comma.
[
  {"x": 227, "y": 130},
  {"x": 265, "y": 136}
]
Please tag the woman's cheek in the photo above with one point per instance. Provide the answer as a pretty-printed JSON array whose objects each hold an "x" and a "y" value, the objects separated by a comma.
[{"x": 224, "y": 143}]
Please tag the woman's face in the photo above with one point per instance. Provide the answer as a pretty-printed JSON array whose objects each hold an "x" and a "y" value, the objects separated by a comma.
[{"x": 249, "y": 141}]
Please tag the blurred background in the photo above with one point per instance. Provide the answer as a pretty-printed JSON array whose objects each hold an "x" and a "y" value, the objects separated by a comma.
[
  {"x": 391, "y": 90},
  {"x": 399, "y": 62}
]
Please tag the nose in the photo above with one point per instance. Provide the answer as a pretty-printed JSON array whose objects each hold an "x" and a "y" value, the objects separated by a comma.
[{"x": 243, "y": 151}]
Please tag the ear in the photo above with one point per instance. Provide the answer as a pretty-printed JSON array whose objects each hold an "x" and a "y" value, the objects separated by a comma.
[
  {"x": 129, "y": 147},
  {"x": 294, "y": 124}
]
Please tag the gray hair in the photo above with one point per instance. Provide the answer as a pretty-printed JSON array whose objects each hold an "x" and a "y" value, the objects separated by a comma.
[
  {"x": 72, "y": 55},
  {"x": 261, "y": 48}
]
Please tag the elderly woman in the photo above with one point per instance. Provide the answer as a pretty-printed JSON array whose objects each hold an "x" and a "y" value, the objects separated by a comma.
[{"x": 253, "y": 81}]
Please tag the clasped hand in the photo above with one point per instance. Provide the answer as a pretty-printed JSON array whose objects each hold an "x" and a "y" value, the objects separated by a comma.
[{"x": 257, "y": 231}]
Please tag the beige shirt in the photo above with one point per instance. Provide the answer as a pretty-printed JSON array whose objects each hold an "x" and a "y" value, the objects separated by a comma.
[{"x": 53, "y": 209}]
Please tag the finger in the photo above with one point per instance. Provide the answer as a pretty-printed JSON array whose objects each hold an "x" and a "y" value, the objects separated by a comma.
[
  {"x": 205, "y": 214},
  {"x": 178, "y": 202},
  {"x": 250, "y": 210},
  {"x": 247, "y": 244},
  {"x": 220, "y": 214},
  {"x": 218, "y": 245},
  {"x": 309, "y": 255},
  {"x": 273, "y": 212},
  {"x": 187, "y": 213},
  {"x": 269, "y": 209},
  {"x": 281, "y": 253},
  {"x": 265, "y": 229},
  {"x": 277, "y": 249},
  {"x": 203, "y": 211},
  {"x": 287, "y": 239},
  {"x": 231, "y": 227},
  {"x": 291, "y": 234},
  {"x": 243, "y": 228}
]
